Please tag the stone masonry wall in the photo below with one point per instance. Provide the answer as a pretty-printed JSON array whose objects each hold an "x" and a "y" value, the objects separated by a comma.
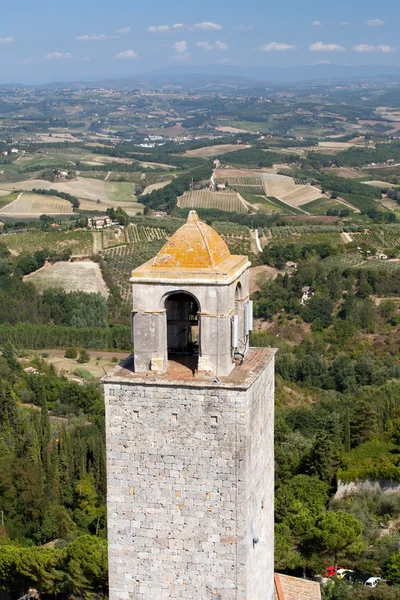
[
  {"x": 184, "y": 491},
  {"x": 260, "y": 486}
]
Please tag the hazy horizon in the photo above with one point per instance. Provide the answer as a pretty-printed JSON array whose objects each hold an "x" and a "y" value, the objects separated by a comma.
[{"x": 88, "y": 41}]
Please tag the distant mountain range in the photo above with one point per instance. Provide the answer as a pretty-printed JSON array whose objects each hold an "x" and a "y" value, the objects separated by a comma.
[{"x": 221, "y": 76}]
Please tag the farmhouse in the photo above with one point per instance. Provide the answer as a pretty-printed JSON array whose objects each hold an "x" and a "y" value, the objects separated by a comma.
[
  {"x": 99, "y": 222},
  {"x": 307, "y": 294}
]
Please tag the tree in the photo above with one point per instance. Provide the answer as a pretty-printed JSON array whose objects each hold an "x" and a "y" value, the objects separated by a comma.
[
  {"x": 335, "y": 532},
  {"x": 84, "y": 356},
  {"x": 319, "y": 309},
  {"x": 86, "y": 565},
  {"x": 323, "y": 459}
]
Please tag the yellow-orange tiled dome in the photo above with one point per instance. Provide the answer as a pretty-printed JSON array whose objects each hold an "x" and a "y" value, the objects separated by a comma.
[{"x": 194, "y": 245}]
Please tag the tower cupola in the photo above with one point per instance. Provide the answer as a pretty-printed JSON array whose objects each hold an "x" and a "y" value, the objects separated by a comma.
[{"x": 191, "y": 302}]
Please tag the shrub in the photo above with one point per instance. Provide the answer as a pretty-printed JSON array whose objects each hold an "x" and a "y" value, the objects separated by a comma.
[{"x": 71, "y": 353}]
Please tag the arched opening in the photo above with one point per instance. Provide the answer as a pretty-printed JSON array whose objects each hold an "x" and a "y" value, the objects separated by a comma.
[
  {"x": 183, "y": 328},
  {"x": 238, "y": 292}
]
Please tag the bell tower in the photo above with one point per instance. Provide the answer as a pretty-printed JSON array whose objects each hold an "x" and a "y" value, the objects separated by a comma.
[
  {"x": 192, "y": 300},
  {"x": 189, "y": 418}
]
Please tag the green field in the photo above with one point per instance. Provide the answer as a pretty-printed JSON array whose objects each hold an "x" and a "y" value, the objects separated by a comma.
[
  {"x": 93, "y": 174},
  {"x": 291, "y": 210},
  {"x": 120, "y": 192},
  {"x": 4, "y": 200},
  {"x": 264, "y": 205},
  {"x": 322, "y": 205},
  {"x": 80, "y": 242},
  {"x": 361, "y": 202}
]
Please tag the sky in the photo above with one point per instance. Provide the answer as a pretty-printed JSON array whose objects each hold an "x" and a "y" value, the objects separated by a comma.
[{"x": 54, "y": 40}]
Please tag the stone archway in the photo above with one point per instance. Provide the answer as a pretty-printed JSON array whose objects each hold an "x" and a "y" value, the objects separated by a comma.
[{"x": 183, "y": 340}]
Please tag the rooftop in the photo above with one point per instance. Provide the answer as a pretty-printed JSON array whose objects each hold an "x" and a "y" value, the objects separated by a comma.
[
  {"x": 294, "y": 588},
  {"x": 179, "y": 373},
  {"x": 195, "y": 251}
]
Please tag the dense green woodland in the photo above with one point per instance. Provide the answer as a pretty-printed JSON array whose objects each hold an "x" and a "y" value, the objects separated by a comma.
[
  {"x": 337, "y": 414},
  {"x": 52, "y": 482}
]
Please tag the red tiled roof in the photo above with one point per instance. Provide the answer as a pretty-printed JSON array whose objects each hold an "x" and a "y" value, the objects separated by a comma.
[{"x": 294, "y": 588}]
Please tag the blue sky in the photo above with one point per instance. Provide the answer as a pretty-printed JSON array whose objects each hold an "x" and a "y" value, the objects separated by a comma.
[{"x": 49, "y": 40}]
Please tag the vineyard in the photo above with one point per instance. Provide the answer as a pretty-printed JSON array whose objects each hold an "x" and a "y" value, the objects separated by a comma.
[
  {"x": 290, "y": 231},
  {"x": 356, "y": 260},
  {"x": 231, "y": 229},
  {"x": 245, "y": 185},
  {"x": 292, "y": 235},
  {"x": 227, "y": 201},
  {"x": 384, "y": 238},
  {"x": 322, "y": 205},
  {"x": 238, "y": 245},
  {"x": 37, "y": 204},
  {"x": 80, "y": 242},
  {"x": 135, "y": 233},
  {"x": 123, "y": 259}
]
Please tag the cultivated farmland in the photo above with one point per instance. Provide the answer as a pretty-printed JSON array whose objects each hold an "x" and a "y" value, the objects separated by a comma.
[
  {"x": 208, "y": 151},
  {"x": 244, "y": 184},
  {"x": 322, "y": 205},
  {"x": 79, "y": 276},
  {"x": 227, "y": 201},
  {"x": 156, "y": 186},
  {"x": 80, "y": 242},
  {"x": 124, "y": 259},
  {"x": 90, "y": 189},
  {"x": 27, "y": 204},
  {"x": 286, "y": 189}
]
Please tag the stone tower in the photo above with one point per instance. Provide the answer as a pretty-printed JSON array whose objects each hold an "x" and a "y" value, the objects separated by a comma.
[{"x": 190, "y": 432}]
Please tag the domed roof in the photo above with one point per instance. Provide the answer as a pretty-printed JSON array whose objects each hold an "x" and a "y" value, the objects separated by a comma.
[{"x": 195, "y": 245}]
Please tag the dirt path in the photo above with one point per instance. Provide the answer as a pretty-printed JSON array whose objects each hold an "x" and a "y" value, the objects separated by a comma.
[
  {"x": 97, "y": 242},
  {"x": 255, "y": 241},
  {"x": 107, "y": 176},
  {"x": 379, "y": 301},
  {"x": 346, "y": 237}
]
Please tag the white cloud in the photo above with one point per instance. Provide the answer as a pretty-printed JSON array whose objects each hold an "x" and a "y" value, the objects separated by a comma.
[
  {"x": 180, "y": 47},
  {"x": 165, "y": 28},
  {"x": 123, "y": 30},
  {"x": 27, "y": 61},
  {"x": 95, "y": 37},
  {"x": 181, "y": 57},
  {"x": 204, "y": 26},
  {"x": 7, "y": 40},
  {"x": 212, "y": 46},
  {"x": 344, "y": 23},
  {"x": 369, "y": 48},
  {"x": 126, "y": 55},
  {"x": 321, "y": 47},
  {"x": 276, "y": 47},
  {"x": 374, "y": 22},
  {"x": 58, "y": 56},
  {"x": 321, "y": 62},
  {"x": 207, "y": 26},
  {"x": 316, "y": 24}
]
